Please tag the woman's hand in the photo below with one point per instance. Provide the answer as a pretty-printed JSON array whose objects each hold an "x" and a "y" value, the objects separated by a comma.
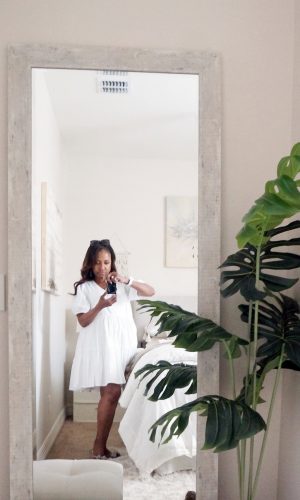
[
  {"x": 115, "y": 277},
  {"x": 85, "y": 319},
  {"x": 106, "y": 301},
  {"x": 143, "y": 289}
]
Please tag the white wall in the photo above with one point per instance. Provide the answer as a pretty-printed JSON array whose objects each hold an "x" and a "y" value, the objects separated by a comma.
[
  {"x": 125, "y": 202},
  {"x": 116, "y": 176},
  {"x": 256, "y": 42},
  {"x": 48, "y": 309},
  {"x": 122, "y": 199}
]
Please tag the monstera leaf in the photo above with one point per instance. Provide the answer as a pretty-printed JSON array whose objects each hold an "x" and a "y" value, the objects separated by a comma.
[
  {"x": 176, "y": 376},
  {"x": 281, "y": 199},
  {"x": 278, "y": 326},
  {"x": 192, "y": 332},
  {"x": 290, "y": 165},
  {"x": 242, "y": 277},
  {"x": 227, "y": 423}
]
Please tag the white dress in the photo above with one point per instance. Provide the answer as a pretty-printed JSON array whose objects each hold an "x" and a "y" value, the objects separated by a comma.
[{"x": 108, "y": 343}]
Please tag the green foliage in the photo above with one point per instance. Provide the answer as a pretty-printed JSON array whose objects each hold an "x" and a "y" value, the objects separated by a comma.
[
  {"x": 192, "y": 332},
  {"x": 279, "y": 201},
  {"x": 273, "y": 322},
  {"x": 227, "y": 422},
  {"x": 176, "y": 421},
  {"x": 279, "y": 327},
  {"x": 176, "y": 376},
  {"x": 253, "y": 383},
  {"x": 242, "y": 278}
]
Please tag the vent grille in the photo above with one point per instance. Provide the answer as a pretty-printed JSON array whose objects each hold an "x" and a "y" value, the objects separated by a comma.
[{"x": 112, "y": 82}]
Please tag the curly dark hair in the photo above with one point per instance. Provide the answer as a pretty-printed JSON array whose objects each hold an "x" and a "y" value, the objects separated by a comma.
[{"x": 90, "y": 258}]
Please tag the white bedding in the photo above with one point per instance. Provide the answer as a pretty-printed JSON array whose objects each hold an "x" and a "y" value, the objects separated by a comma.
[{"x": 141, "y": 414}]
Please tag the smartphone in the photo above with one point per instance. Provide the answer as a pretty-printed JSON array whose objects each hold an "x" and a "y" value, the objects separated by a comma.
[{"x": 112, "y": 288}]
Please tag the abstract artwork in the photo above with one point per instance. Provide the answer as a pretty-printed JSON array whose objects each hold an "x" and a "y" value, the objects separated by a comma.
[
  {"x": 181, "y": 231},
  {"x": 51, "y": 227}
]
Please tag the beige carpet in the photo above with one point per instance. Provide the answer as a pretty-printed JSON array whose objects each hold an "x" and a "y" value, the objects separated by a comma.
[{"x": 76, "y": 439}]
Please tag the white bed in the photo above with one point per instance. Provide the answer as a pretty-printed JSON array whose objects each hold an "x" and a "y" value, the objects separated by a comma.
[{"x": 179, "y": 453}]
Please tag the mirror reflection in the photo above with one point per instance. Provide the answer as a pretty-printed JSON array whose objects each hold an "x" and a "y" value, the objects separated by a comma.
[{"x": 115, "y": 156}]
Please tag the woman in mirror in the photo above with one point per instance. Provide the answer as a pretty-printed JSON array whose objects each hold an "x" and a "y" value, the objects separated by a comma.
[{"x": 107, "y": 334}]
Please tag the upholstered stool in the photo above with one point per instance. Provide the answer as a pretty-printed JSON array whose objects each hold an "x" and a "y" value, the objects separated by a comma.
[{"x": 77, "y": 480}]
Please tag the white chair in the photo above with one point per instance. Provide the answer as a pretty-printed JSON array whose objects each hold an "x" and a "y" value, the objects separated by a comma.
[{"x": 77, "y": 480}]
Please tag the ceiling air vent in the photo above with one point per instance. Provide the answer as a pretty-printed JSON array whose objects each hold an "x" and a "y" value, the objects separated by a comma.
[{"x": 112, "y": 82}]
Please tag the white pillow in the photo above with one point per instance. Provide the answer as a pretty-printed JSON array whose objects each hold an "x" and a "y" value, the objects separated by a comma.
[{"x": 151, "y": 329}]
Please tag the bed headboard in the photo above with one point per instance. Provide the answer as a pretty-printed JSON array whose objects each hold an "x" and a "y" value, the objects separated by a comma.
[{"x": 142, "y": 318}]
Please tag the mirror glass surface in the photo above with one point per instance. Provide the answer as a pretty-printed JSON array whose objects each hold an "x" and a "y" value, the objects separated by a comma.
[{"x": 114, "y": 155}]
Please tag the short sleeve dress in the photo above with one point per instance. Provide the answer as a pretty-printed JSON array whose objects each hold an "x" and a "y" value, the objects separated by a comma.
[{"x": 108, "y": 343}]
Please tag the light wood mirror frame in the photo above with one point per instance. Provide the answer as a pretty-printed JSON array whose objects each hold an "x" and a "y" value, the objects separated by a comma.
[{"x": 21, "y": 60}]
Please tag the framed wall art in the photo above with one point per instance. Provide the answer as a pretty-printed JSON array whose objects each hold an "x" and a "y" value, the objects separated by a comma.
[{"x": 181, "y": 237}]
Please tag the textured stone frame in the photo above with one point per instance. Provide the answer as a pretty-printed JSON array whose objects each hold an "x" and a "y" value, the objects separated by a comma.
[{"x": 21, "y": 60}]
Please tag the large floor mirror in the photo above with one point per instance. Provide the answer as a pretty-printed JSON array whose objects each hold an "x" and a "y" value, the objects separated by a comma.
[{"x": 104, "y": 143}]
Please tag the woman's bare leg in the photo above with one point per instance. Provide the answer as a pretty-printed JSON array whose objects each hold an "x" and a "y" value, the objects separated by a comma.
[{"x": 110, "y": 395}]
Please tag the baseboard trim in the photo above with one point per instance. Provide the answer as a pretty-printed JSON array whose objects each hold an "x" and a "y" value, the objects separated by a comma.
[{"x": 52, "y": 435}]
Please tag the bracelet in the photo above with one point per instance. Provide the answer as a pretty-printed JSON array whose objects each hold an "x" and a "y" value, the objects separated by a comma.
[{"x": 130, "y": 281}]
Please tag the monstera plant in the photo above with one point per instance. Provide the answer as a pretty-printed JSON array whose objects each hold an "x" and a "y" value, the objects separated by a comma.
[{"x": 259, "y": 272}]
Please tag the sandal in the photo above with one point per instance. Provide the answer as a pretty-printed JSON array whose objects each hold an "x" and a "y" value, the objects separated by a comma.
[
  {"x": 113, "y": 454},
  {"x": 109, "y": 456},
  {"x": 99, "y": 457}
]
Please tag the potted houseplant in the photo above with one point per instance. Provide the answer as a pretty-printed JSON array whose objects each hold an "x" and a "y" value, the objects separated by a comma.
[{"x": 255, "y": 271}]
